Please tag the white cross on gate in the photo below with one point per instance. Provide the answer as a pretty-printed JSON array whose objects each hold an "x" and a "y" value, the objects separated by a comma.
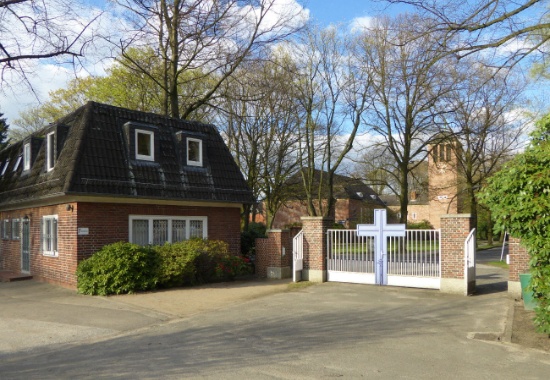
[{"x": 381, "y": 230}]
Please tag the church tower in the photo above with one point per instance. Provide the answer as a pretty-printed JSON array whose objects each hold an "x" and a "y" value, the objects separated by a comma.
[{"x": 443, "y": 179}]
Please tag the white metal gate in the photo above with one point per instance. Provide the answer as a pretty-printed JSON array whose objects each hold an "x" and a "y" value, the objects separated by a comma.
[
  {"x": 411, "y": 261},
  {"x": 470, "y": 248},
  {"x": 297, "y": 256}
]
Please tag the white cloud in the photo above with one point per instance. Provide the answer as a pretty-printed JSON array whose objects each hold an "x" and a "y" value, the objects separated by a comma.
[{"x": 359, "y": 24}]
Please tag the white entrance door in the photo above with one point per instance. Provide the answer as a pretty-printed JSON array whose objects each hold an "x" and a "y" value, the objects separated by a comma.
[{"x": 25, "y": 247}]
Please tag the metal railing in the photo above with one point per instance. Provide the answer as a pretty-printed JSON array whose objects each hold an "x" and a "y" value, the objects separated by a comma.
[
  {"x": 297, "y": 254},
  {"x": 416, "y": 254}
]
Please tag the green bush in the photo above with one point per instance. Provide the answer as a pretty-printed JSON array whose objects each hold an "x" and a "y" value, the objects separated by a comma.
[
  {"x": 231, "y": 266},
  {"x": 519, "y": 199},
  {"x": 208, "y": 254},
  {"x": 118, "y": 268},
  {"x": 126, "y": 268},
  {"x": 422, "y": 225},
  {"x": 176, "y": 264},
  {"x": 248, "y": 238}
]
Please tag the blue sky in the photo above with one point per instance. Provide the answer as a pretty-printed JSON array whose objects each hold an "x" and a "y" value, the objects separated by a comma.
[
  {"x": 49, "y": 77},
  {"x": 344, "y": 11}
]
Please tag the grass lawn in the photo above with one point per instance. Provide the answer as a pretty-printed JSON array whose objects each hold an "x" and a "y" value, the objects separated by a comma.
[
  {"x": 411, "y": 247},
  {"x": 499, "y": 264}
]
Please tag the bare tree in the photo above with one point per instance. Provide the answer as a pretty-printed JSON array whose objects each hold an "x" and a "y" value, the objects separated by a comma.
[
  {"x": 41, "y": 30},
  {"x": 209, "y": 39},
  {"x": 260, "y": 117},
  {"x": 409, "y": 85},
  {"x": 512, "y": 29},
  {"x": 332, "y": 94},
  {"x": 486, "y": 122}
]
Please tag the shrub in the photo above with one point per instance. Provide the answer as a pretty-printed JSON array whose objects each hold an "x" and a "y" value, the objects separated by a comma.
[
  {"x": 176, "y": 264},
  {"x": 208, "y": 254},
  {"x": 118, "y": 268},
  {"x": 248, "y": 238},
  {"x": 231, "y": 266},
  {"x": 422, "y": 225},
  {"x": 519, "y": 199}
]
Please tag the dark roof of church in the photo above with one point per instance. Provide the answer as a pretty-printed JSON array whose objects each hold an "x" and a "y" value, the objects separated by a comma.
[
  {"x": 96, "y": 155},
  {"x": 344, "y": 187}
]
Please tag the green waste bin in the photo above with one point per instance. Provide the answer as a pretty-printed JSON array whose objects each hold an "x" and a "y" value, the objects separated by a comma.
[{"x": 529, "y": 302}]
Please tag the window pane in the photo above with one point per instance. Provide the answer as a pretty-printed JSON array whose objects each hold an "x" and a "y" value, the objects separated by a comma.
[
  {"x": 140, "y": 232},
  {"x": 160, "y": 231},
  {"x": 47, "y": 234},
  {"x": 144, "y": 144},
  {"x": 193, "y": 150},
  {"x": 54, "y": 235},
  {"x": 15, "y": 229},
  {"x": 27, "y": 157},
  {"x": 178, "y": 230},
  {"x": 195, "y": 228},
  {"x": 51, "y": 150}
]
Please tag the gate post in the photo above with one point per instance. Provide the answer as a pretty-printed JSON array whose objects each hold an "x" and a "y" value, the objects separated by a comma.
[
  {"x": 455, "y": 229},
  {"x": 315, "y": 247},
  {"x": 519, "y": 263},
  {"x": 274, "y": 255}
]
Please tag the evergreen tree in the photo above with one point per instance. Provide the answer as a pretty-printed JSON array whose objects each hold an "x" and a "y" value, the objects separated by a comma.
[{"x": 3, "y": 132}]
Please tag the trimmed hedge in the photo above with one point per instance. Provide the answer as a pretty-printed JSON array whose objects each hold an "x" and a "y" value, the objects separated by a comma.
[{"x": 126, "y": 268}]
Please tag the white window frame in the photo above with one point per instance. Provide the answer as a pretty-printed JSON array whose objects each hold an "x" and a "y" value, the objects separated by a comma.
[
  {"x": 50, "y": 151},
  {"x": 5, "y": 229},
  {"x": 17, "y": 162},
  {"x": 27, "y": 156},
  {"x": 193, "y": 162},
  {"x": 5, "y": 168},
  {"x": 45, "y": 240},
  {"x": 151, "y": 218},
  {"x": 145, "y": 157},
  {"x": 16, "y": 229}
]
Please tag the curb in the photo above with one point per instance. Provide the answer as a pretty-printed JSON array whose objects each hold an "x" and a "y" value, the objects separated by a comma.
[{"x": 507, "y": 335}]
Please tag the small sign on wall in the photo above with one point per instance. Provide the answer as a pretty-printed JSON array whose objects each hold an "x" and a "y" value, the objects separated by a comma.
[{"x": 83, "y": 231}]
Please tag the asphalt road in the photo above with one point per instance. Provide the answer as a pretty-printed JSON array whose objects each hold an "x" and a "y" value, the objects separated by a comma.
[{"x": 329, "y": 330}]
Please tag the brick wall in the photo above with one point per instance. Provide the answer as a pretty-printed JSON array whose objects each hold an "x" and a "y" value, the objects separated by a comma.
[
  {"x": 107, "y": 223},
  {"x": 269, "y": 251},
  {"x": 454, "y": 231},
  {"x": 315, "y": 242},
  {"x": 58, "y": 270},
  {"x": 519, "y": 259}
]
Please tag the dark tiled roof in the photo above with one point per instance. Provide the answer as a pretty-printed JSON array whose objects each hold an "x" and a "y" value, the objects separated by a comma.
[
  {"x": 95, "y": 156},
  {"x": 344, "y": 188}
]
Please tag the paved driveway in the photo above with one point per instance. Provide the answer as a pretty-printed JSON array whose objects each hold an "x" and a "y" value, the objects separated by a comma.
[{"x": 323, "y": 331}]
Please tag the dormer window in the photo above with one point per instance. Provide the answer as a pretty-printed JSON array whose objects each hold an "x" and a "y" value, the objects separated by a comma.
[
  {"x": 4, "y": 168},
  {"x": 27, "y": 156},
  {"x": 50, "y": 151},
  {"x": 145, "y": 145},
  {"x": 194, "y": 152},
  {"x": 17, "y": 162}
]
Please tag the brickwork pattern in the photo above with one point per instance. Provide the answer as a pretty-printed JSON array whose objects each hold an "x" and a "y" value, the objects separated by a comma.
[
  {"x": 519, "y": 259},
  {"x": 454, "y": 231},
  {"x": 107, "y": 223},
  {"x": 315, "y": 242},
  {"x": 269, "y": 251}
]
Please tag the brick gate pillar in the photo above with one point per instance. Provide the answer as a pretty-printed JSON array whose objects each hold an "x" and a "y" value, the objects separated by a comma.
[
  {"x": 519, "y": 263},
  {"x": 274, "y": 255},
  {"x": 454, "y": 231},
  {"x": 315, "y": 247}
]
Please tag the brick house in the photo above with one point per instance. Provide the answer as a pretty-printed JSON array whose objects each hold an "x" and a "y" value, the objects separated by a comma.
[
  {"x": 104, "y": 174},
  {"x": 355, "y": 202}
]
